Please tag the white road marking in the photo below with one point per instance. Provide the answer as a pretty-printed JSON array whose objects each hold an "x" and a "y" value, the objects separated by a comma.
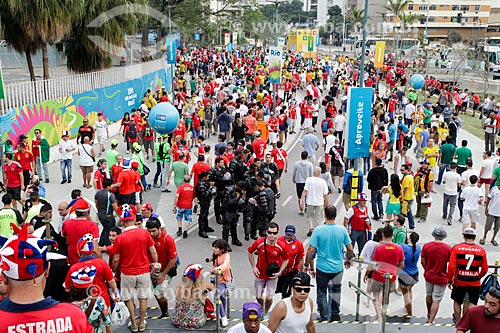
[{"x": 286, "y": 201}]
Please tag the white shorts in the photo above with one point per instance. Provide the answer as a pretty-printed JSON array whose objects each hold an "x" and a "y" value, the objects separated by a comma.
[
  {"x": 308, "y": 122},
  {"x": 100, "y": 139},
  {"x": 470, "y": 216},
  {"x": 273, "y": 137},
  {"x": 268, "y": 285}
]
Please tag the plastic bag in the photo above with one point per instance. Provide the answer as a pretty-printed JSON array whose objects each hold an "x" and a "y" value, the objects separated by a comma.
[{"x": 120, "y": 314}]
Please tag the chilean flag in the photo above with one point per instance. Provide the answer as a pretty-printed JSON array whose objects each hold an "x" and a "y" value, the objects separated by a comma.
[{"x": 312, "y": 90}]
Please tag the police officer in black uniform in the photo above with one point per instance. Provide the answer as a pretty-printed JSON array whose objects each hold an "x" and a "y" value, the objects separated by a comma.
[
  {"x": 216, "y": 175},
  {"x": 233, "y": 199},
  {"x": 204, "y": 192}
]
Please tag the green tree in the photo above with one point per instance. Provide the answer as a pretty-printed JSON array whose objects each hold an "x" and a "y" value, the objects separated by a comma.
[
  {"x": 357, "y": 18},
  {"x": 30, "y": 25},
  {"x": 335, "y": 14},
  {"x": 82, "y": 52}
]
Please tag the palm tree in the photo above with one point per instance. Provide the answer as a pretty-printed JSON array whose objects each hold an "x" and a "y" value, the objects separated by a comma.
[
  {"x": 398, "y": 8},
  {"x": 81, "y": 52},
  {"x": 357, "y": 18}
]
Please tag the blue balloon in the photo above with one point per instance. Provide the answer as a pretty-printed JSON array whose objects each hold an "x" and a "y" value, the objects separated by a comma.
[
  {"x": 163, "y": 118},
  {"x": 417, "y": 81}
]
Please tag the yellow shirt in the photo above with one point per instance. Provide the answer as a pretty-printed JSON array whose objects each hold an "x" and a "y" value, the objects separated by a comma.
[
  {"x": 431, "y": 150},
  {"x": 408, "y": 184},
  {"x": 417, "y": 133}
]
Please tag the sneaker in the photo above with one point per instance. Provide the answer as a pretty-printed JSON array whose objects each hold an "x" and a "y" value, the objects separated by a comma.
[
  {"x": 164, "y": 315},
  {"x": 224, "y": 322},
  {"x": 64, "y": 181},
  {"x": 448, "y": 221},
  {"x": 47, "y": 181},
  {"x": 179, "y": 233},
  {"x": 461, "y": 219},
  {"x": 69, "y": 181},
  {"x": 195, "y": 209},
  {"x": 156, "y": 185},
  {"x": 335, "y": 317},
  {"x": 154, "y": 160},
  {"x": 185, "y": 234},
  {"x": 301, "y": 213}
]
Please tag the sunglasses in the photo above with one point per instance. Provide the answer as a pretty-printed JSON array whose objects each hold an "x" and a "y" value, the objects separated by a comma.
[
  {"x": 302, "y": 289},
  {"x": 272, "y": 232}
]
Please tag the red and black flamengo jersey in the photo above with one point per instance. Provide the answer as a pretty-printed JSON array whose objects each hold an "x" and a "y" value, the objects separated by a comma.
[{"x": 468, "y": 264}]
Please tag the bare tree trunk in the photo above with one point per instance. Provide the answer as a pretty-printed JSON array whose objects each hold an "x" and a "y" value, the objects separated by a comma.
[
  {"x": 30, "y": 66},
  {"x": 45, "y": 58}
]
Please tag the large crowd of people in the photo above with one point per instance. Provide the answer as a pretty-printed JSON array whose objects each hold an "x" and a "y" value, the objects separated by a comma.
[{"x": 226, "y": 96}]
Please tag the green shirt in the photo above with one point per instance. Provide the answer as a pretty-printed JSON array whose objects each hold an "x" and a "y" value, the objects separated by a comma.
[
  {"x": 111, "y": 157},
  {"x": 180, "y": 169},
  {"x": 166, "y": 148},
  {"x": 463, "y": 154},
  {"x": 8, "y": 215},
  {"x": 447, "y": 152},
  {"x": 496, "y": 176},
  {"x": 399, "y": 235},
  {"x": 192, "y": 84},
  {"x": 139, "y": 157},
  {"x": 427, "y": 116}
]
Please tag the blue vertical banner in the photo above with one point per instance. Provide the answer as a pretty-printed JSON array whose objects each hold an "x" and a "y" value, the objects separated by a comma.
[
  {"x": 171, "y": 50},
  {"x": 359, "y": 111}
]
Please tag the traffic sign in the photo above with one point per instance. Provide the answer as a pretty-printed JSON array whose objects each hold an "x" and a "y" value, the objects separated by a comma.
[
  {"x": 197, "y": 37},
  {"x": 310, "y": 44}
]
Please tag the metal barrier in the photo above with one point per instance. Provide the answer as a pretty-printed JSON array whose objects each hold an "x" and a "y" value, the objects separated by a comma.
[{"x": 18, "y": 94}]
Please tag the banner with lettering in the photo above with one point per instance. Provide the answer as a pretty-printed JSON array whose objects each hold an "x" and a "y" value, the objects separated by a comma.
[
  {"x": 275, "y": 59},
  {"x": 359, "y": 105}
]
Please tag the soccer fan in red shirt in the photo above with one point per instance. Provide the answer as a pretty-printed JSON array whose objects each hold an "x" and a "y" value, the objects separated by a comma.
[
  {"x": 126, "y": 183},
  {"x": 131, "y": 131},
  {"x": 182, "y": 149},
  {"x": 27, "y": 161},
  {"x": 180, "y": 130},
  {"x": 85, "y": 130},
  {"x": 259, "y": 146},
  {"x": 484, "y": 318},
  {"x": 468, "y": 264},
  {"x": 295, "y": 251},
  {"x": 103, "y": 273},
  {"x": 26, "y": 308},
  {"x": 272, "y": 259},
  {"x": 391, "y": 259},
  {"x": 167, "y": 257},
  {"x": 13, "y": 178},
  {"x": 434, "y": 259},
  {"x": 198, "y": 168},
  {"x": 74, "y": 229},
  {"x": 132, "y": 250},
  {"x": 183, "y": 206}
]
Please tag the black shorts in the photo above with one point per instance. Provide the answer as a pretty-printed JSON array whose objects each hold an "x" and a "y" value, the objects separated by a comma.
[
  {"x": 15, "y": 192},
  {"x": 300, "y": 188},
  {"x": 458, "y": 294},
  {"x": 127, "y": 198},
  {"x": 284, "y": 284}
]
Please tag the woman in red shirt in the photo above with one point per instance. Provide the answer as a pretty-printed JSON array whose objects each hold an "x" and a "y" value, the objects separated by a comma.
[{"x": 100, "y": 174}]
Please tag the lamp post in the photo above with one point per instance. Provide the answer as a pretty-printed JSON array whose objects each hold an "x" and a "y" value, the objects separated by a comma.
[{"x": 363, "y": 51}]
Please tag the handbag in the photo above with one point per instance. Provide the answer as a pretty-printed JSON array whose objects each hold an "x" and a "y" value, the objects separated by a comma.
[
  {"x": 273, "y": 267},
  {"x": 146, "y": 169},
  {"x": 426, "y": 200}
]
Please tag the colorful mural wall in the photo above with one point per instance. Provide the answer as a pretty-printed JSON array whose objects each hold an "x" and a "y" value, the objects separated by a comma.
[{"x": 67, "y": 113}]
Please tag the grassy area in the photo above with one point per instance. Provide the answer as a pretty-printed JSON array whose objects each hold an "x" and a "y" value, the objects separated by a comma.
[{"x": 473, "y": 125}]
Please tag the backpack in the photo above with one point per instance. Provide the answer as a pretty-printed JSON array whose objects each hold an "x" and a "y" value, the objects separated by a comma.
[
  {"x": 324, "y": 125},
  {"x": 486, "y": 285},
  {"x": 132, "y": 132}
]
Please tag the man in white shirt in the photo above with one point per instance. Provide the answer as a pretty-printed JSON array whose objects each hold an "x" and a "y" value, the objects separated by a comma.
[
  {"x": 489, "y": 126},
  {"x": 251, "y": 320},
  {"x": 451, "y": 182},
  {"x": 486, "y": 171},
  {"x": 409, "y": 109},
  {"x": 101, "y": 131},
  {"x": 315, "y": 196},
  {"x": 492, "y": 212},
  {"x": 328, "y": 143},
  {"x": 66, "y": 149},
  {"x": 339, "y": 125},
  {"x": 471, "y": 197}
]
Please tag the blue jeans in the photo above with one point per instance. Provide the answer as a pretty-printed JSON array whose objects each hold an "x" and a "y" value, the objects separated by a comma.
[
  {"x": 376, "y": 200},
  {"x": 442, "y": 169},
  {"x": 41, "y": 167},
  {"x": 409, "y": 215},
  {"x": 329, "y": 287},
  {"x": 66, "y": 168},
  {"x": 358, "y": 236}
]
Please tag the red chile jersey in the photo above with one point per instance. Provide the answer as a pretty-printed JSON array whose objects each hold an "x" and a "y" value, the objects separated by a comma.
[
  {"x": 275, "y": 254},
  {"x": 295, "y": 251},
  {"x": 468, "y": 264},
  {"x": 44, "y": 316}
]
